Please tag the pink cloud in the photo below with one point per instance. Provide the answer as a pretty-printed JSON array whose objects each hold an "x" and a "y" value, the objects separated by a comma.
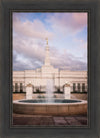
[
  {"x": 68, "y": 22},
  {"x": 29, "y": 55},
  {"x": 35, "y": 29},
  {"x": 78, "y": 20},
  {"x": 28, "y": 48}
]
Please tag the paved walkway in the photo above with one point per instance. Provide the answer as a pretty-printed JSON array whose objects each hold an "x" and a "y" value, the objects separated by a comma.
[{"x": 19, "y": 119}]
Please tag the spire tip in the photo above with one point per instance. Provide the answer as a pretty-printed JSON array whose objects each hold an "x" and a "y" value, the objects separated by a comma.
[{"x": 47, "y": 40}]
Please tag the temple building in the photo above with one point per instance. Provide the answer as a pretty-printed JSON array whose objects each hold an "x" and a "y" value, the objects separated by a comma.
[{"x": 75, "y": 80}]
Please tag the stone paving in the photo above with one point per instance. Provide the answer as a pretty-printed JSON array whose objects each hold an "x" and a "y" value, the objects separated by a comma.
[{"x": 39, "y": 120}]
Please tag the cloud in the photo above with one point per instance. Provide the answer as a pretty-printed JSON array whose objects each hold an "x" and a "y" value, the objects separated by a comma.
[
  {"x": 66, "y": 61},
  {"x": 29, "y": 46},
  {"x": 82, "y": 46},
  {"x": 29, "y": 51},
  {"x": 34, "y": 29},
  {"x": 28, "y": 55},
  {"x": 68, "y": 23}
]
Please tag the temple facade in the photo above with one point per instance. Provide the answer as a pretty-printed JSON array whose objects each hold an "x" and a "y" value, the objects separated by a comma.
[{"x": 61, "y": 79}]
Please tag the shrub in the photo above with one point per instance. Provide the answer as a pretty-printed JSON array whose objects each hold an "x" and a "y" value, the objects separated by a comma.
[
  {"x": 39, "y": 96},
  {"x": 77, "y": 92}
]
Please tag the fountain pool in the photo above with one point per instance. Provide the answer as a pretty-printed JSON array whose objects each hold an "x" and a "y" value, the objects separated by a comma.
[{"x": 58, "y": 107}]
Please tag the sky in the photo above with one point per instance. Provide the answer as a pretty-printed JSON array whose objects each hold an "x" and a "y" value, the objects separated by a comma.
[{"x": 67, "y": 39}]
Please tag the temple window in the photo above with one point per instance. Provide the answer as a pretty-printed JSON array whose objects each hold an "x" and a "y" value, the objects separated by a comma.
[
  {"x": 78, "y": 87},
  {"x": 83, "y": 87},
  {"x": 74, "y": 87},
  {"x": 16, "y": 87}
]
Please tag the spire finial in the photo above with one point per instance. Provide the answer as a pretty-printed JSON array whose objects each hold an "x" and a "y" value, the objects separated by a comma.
[{"x": 47, "y": 40}]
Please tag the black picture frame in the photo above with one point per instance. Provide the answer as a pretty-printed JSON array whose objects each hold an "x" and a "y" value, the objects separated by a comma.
[{"x": 92, "y": 7}]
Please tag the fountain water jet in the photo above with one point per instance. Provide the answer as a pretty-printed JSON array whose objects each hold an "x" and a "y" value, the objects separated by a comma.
[{"x": 49, "y": 91}]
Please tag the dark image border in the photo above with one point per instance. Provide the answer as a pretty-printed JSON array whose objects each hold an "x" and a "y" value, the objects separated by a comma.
[{"x": 92, "y": 7}]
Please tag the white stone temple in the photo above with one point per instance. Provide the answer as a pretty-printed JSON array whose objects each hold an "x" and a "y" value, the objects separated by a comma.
[{"x": 63, "y": 80}]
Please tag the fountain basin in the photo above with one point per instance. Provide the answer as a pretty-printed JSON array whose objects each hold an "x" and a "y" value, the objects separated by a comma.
[{"x": 66, "y": 107}]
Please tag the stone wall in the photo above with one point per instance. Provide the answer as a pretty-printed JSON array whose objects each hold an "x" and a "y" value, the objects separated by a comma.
[
  {"x": 39, "y": 78},
  {"x": 79, "y": 96},
  {"x": 19, "y": 96}
]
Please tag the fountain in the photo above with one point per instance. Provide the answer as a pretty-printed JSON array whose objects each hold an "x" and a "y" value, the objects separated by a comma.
[
  {"x": 59, "y": 107},
  {"x": 50, "y": 106},
  {"x": 49, "y": 91}
]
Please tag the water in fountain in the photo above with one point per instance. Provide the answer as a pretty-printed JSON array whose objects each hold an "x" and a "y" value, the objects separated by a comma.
[{"x": 49, "y": 91}]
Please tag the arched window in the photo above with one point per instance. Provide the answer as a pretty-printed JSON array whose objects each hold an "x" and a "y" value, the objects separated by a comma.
[
  {"x": 78, "y": 87},
  {"x": 16, "y": 87},
  {"x": 74, "y": 87},
  {"x": 83, "y": 87}
]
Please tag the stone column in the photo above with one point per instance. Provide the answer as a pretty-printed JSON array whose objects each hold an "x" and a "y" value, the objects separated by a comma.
[
  {"x": 80, "y": 87},
  {"x": 29, "y": 91},
  {"x": 23, "y": 87},
  {"x": 86, "y": 87},
  {"x": 18, "y": 87},
  {"x": 76, "y": 84}
]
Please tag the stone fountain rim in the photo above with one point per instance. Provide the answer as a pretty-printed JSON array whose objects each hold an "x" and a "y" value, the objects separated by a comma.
[{"x": 23, "y": 103}]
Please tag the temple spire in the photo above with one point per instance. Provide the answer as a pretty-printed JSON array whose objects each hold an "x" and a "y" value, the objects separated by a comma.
[
  {"x": 47, "y": 58},
  {"x": 47, "y": 40}
]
